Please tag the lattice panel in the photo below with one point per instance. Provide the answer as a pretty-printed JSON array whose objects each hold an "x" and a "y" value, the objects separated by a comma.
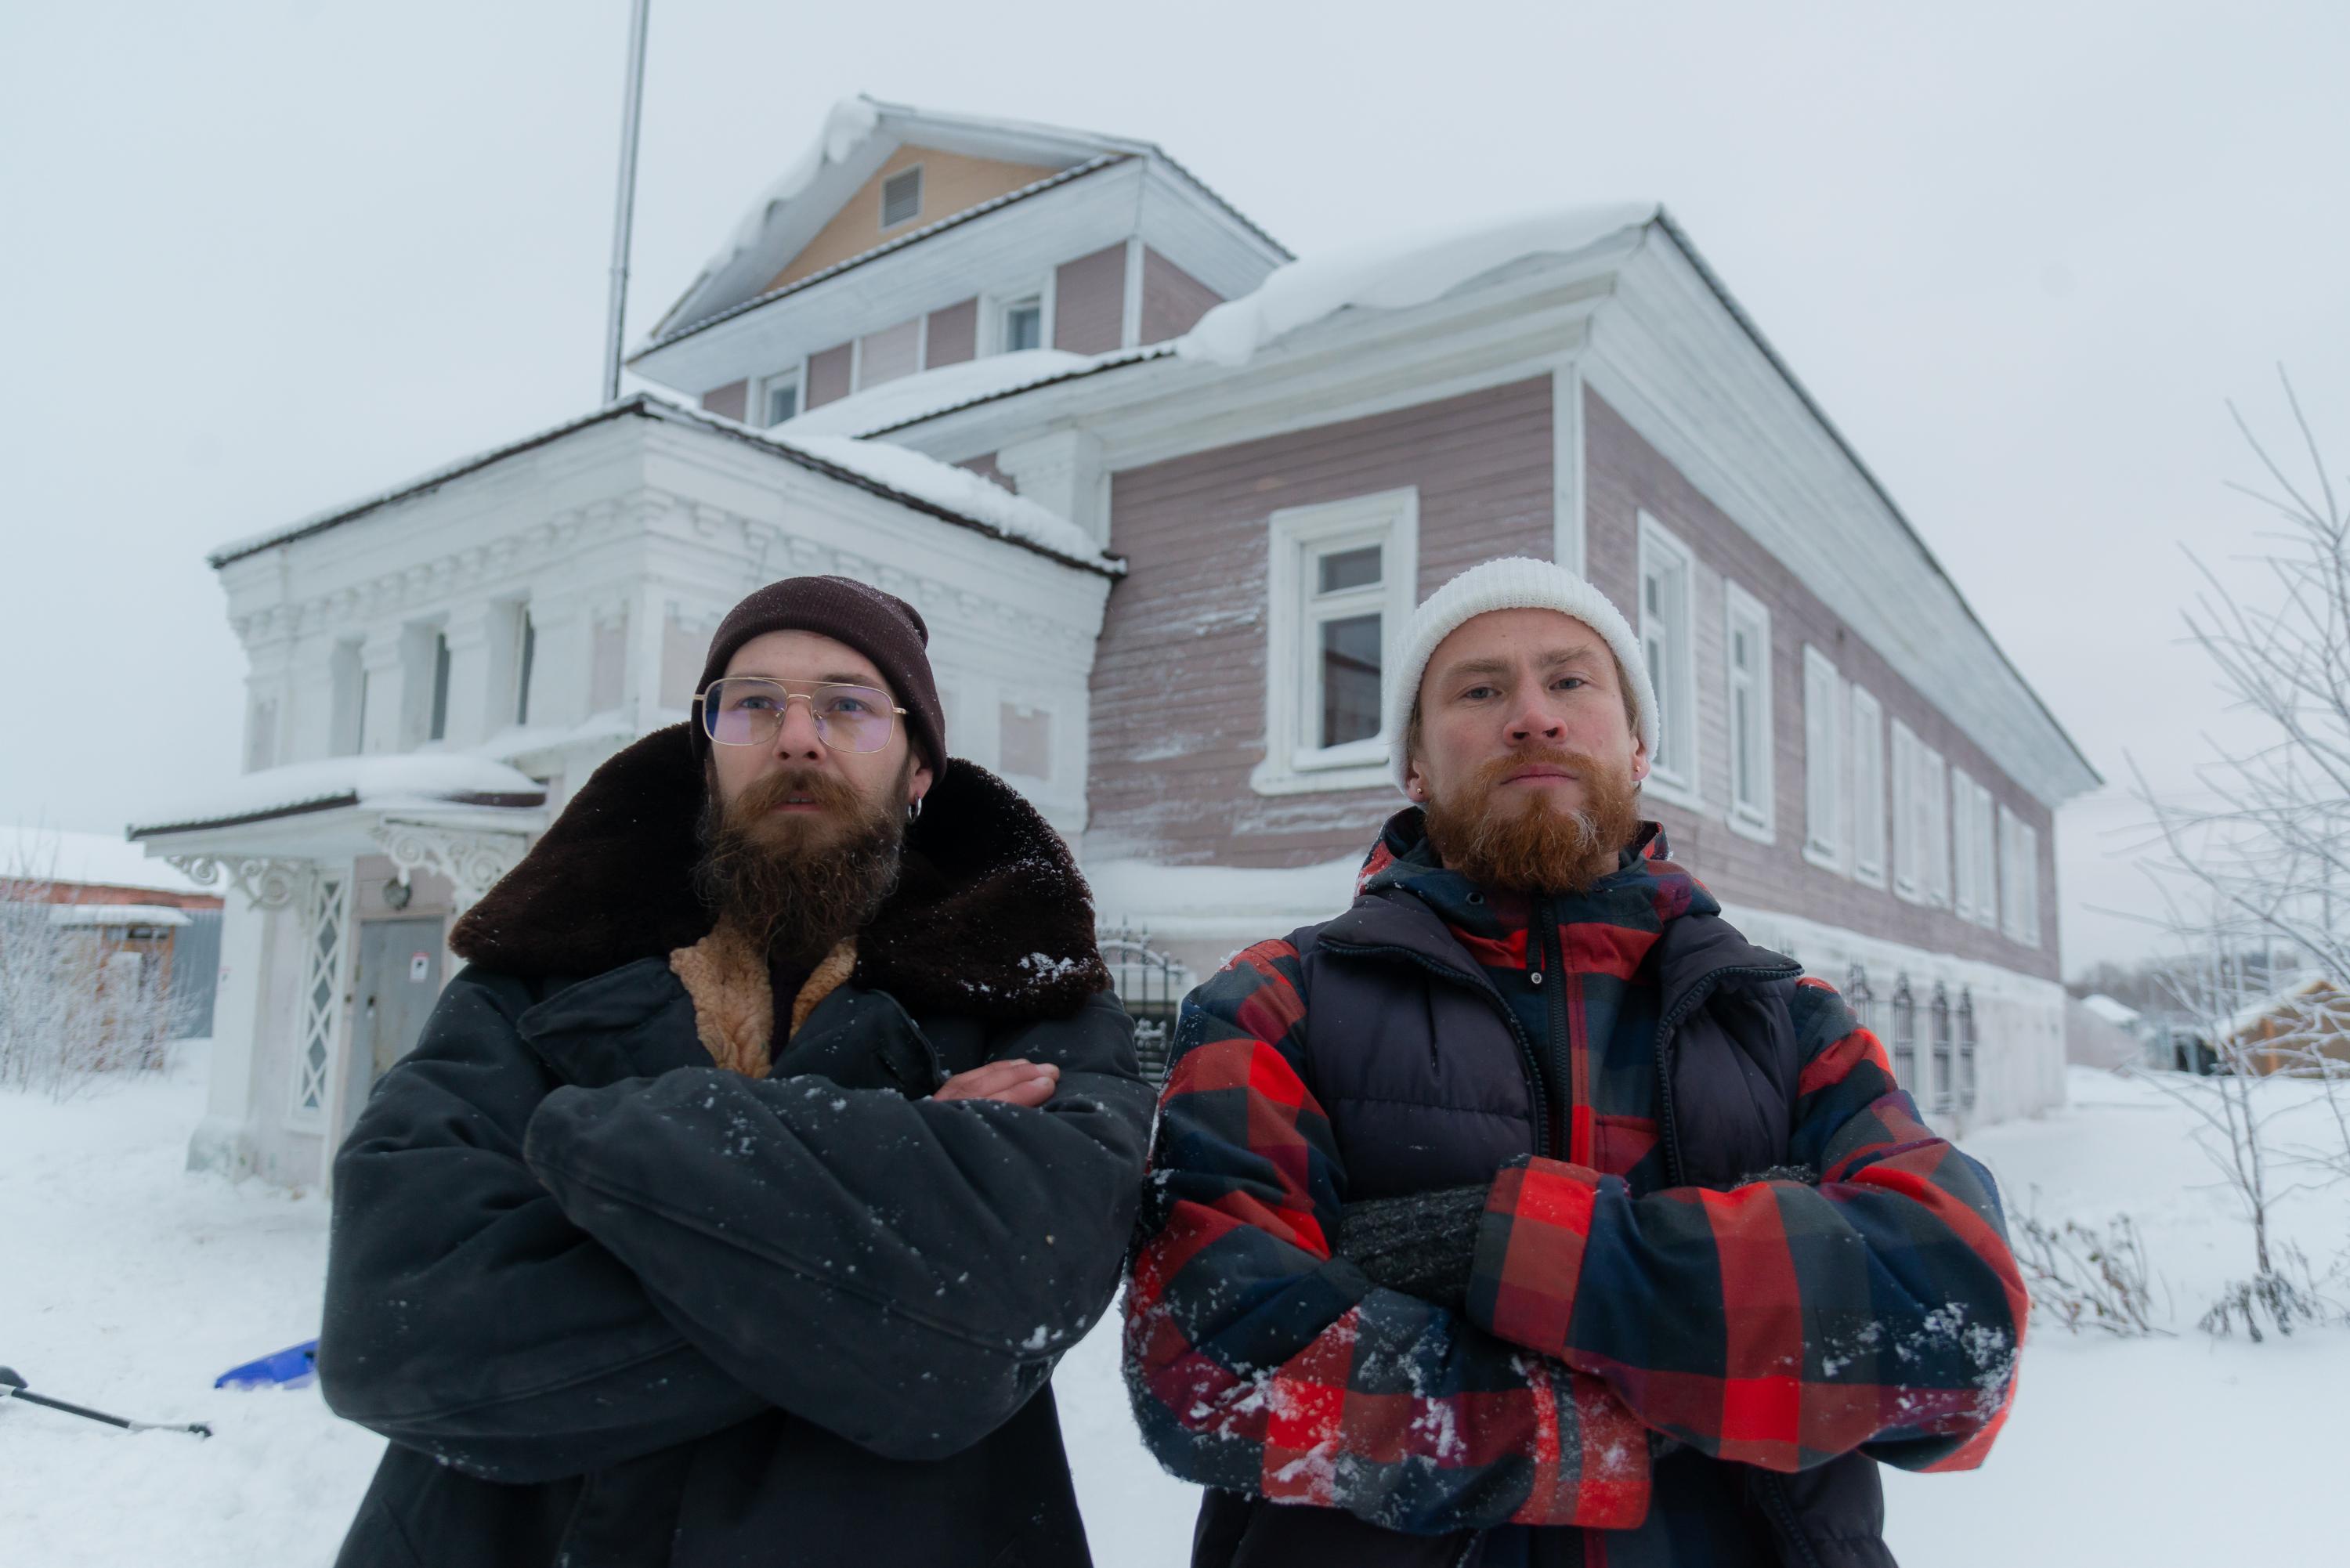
[{"x": 327, "y": 912}]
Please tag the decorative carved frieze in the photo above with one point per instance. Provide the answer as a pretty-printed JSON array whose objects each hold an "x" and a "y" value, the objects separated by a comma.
[
  {"x": 266, "y": 884},
  {"x": 472, "y": 861}
]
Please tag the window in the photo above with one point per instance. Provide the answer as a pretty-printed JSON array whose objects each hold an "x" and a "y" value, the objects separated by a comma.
[
  {"x": 901, "y": 197},
  {"x": 438, "y": 728},
  {"x": 1867, "y": 789},
  {"x": 779, "y": 397},
  {"x": 1986, "y": 848},
  {"x": 1024, "y": 324},
  {"x": 1905, "y": 1036},
  {"x": 1341, "y": 584},
  {"x": 1025, "y": 740},
  {"x": 1860, "y": 998},
  {"x": 527, "y": 655},
  {"x": 1966, "y": 1050},
  {"x": 1666, "y": 570},
  {"x": 1963, "y": 863},
  {"x": 1945, "y": 1072},
  {"x": 1823, "y": 760},
  {"x": 1909, "y": 826},
  {"x": 1921, "y": 820},
  {"x": 2019, "y": 853},
  {"x": 1746, "y": 651}
]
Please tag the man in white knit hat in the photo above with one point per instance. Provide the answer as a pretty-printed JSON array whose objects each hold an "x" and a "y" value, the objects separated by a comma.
[{"x": 1528, "y": 1214}]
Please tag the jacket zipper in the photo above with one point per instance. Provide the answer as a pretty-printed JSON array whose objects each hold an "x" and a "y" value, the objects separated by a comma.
[
  {"x": 1484, "y": 988},
  {"x": 1553, "y": 962}
]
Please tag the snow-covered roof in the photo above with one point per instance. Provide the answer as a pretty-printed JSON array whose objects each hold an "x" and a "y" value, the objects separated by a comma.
[
  {"x": 856, "y": 138},
  {"x": 932, "y": 392},
  {"x": 1395, "y": 273},
  {"x": 924, "y": 484},
  {"x": 86, "y": 859},
  {"x": 2120, "y": 1013},
  {"x": 108, "y": 916},
  {"x": 389, "y": 782},
  {"x": 2278, "y": 1005}
]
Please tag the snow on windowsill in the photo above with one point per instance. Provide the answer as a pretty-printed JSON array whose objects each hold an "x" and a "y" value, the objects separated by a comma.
[
  {"x": 1394, "y": 275},
  {"x": 1221, "y": 902}
]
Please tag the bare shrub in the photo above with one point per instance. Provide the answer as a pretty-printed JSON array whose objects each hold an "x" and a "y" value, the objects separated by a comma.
[
  {"x": 2085, "y": 1278},
  {"x": 69, "y": 1007}
]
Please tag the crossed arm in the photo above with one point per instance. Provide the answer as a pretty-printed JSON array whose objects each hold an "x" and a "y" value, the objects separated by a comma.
[{"x": 1778, "y": 1325}]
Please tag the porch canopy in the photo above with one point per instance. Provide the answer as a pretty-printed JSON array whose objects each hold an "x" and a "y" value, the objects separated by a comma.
[{"x": 466, "y": 816}]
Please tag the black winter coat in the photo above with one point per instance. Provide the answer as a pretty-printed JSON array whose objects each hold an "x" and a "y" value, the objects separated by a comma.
[{"x": 616, "y": 1306}]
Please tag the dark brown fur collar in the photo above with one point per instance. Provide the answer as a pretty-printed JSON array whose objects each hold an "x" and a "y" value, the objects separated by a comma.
[{"x": 991, "y": 919}]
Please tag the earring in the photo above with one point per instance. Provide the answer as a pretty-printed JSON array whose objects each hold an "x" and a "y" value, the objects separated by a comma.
[{"x": 913, "y": 811}]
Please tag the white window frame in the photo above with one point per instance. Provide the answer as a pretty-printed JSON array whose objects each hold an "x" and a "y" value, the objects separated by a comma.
[
  {"x": 1986, "y": 841},
  {"x": 796, "y": 375},
  {"x": 1677, "y": 725},
  {"x": 1909, "y": 846},
  {"x": 1934, "y": 786},
  {"x": 1965, "y": 894},
  {"x": 1870, "y": 847},
  {"x": 1298, "y": 537},
  {"x": 882, "y": 196},
  {"x": 996, "y": 302},
  {"x": 1824, "y": 834},
  {"x": 1755, "y": 816},
  {"x": 2019, "y": 844}
]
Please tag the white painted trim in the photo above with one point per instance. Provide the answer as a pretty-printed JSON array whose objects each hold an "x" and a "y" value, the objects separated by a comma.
[
  {"x": 1292, "y": 536},
  {"x": 1568, "y": 521},
  {"x": 921, "y": 342},
  {"x": 1682, "y": 784},
  {"x": 1825, "y": 765},
  {"x": 995, "y": 302},
  {"x": 1758, "y": 820},
  {"x": 1873, "y": 875},
  {"x": 755, "y": 412},
  {"x": 1130, "y": 320},
  {"x": 856, "y": 363}
]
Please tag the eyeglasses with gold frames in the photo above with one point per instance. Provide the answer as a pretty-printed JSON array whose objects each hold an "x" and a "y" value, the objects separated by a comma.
[{"x": 748, "y": 710}]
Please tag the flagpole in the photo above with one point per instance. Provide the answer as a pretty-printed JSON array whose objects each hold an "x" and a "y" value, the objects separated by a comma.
[{"x": 625, "y": 217}]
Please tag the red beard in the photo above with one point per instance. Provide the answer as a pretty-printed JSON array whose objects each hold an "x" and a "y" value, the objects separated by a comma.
[
  {"x": 800, "y": 881},
  {"x": 1530, "y": 845}
]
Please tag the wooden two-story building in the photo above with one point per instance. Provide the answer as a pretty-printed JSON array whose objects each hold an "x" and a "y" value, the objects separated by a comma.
[{"x": 1166, "y": 496}]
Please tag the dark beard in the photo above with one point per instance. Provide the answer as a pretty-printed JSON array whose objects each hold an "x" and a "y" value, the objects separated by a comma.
[
  {"x": 1536, "y": 848},
  {"x": 798, "y": 885}
]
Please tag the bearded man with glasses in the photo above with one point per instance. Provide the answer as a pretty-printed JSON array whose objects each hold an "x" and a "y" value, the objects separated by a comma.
[{"x": 780, "y": 1136}]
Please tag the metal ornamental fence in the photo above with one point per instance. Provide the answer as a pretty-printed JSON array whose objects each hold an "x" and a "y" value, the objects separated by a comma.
[{"x": 1151, "y": 984}]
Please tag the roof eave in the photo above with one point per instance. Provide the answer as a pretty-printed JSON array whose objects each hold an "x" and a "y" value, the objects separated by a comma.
[{"x": 1665, "y": 221}]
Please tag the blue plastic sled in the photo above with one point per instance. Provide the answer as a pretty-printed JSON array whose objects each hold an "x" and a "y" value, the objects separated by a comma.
[{"x": 295, "y": 1367}]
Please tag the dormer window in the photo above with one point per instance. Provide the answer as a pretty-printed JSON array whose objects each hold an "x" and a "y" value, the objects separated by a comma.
[
  {"x": 1024, "y": 323},
  {"x": 901, "y": 197},
  {"x": 779, "y": 397}
]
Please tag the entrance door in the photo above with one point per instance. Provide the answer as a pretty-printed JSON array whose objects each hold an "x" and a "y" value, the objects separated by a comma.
[{"x": 399, "y": 979}]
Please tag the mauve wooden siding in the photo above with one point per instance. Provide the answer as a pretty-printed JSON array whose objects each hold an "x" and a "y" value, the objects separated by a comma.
[
  {"x": 1172, "y": 299},
  {"x": 1624, "y": 476},
  {"x": 984, "y": 466},
  {"x": 728, "y": 401},
  {"x": 890, "y": 354},
  {"x": 1179, "y": 674},
  {"x": 954, "y": 336},
  {"x": 829, "y": 375},
  {"x": 1089, "y": 301}
]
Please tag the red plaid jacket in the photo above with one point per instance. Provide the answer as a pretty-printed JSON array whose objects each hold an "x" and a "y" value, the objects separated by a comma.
[{"x": 1779, "y": 1325}]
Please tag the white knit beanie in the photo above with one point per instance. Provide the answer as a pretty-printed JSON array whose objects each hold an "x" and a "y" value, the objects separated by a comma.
[{"x": 1511, "y": 582}]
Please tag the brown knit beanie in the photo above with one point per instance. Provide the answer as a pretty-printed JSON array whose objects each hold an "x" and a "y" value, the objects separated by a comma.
[{"x": 882, "y": 626}]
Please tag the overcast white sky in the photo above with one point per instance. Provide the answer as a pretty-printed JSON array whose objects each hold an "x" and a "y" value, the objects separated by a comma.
[{"x": 262, "y": 257}]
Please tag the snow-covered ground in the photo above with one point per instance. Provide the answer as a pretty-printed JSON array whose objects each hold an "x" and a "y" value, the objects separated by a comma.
[{"x": 130, "y": 1285}]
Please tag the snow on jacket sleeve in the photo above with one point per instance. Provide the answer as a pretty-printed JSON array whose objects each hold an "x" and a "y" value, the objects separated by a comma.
[
  {"x": 1259, "y": 1363},
  {"x": 1780, "y": 1324},
  {"x": 902, "y": 1272},
  {"x": 465, "y": 1315}
]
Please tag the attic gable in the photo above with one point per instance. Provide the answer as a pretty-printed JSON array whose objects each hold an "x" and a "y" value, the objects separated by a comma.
[{"x": 942, "y": 183}]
